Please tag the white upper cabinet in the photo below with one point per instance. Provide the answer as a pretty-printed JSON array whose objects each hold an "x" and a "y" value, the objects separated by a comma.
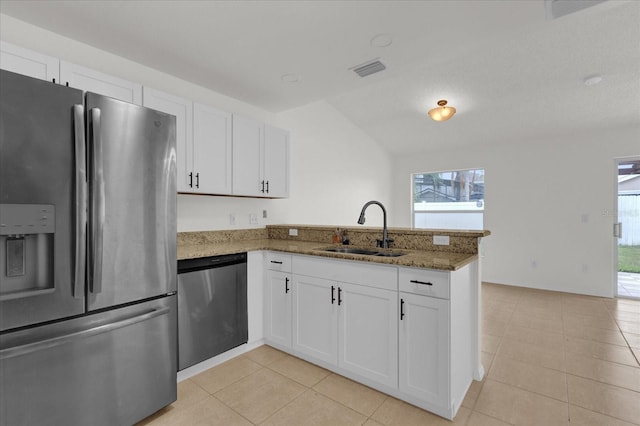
[
  {"x": 217, "y": 153},
  {"x": 203, "y": 137},
  {"x": 27, "y": 62},
  {"x": 183, "y": 111},
  {"x": 276, "y": 162},
  {"x": 94, "y": 81},
  {"x": 247, "y": 157},
  {"x": 36, "y": 65},
  {"x": 260, "y": 159},
  {"x": 212, "y": 150}
]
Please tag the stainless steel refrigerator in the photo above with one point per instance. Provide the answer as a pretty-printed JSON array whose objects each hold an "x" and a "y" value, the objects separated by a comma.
[{"x": 87, "y": 257}]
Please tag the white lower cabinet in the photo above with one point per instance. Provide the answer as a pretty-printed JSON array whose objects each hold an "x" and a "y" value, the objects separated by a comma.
[
  {"x": 353, "y": 327},
  {"x": 345, "y": 316},
  {"x": 315, "y": 318},
  {"x": 368, "y": 332},
  {"x": 404, "y": 331},
  {"x": 278, "y": 308},
  {"x": 424, "y": 348}
]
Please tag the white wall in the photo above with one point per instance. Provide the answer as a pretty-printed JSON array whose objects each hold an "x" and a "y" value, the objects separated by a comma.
[
  {"x": 548, "y": 205},
  {"x": 335, "y": 167}
]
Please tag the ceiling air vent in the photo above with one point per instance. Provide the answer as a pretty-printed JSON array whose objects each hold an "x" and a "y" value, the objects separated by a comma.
[
  {"x": 369, "y": 68},
  {"x": 557, "y": 8}
]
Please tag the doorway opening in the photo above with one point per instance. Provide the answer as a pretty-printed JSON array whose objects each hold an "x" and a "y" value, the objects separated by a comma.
[{"x": 627, "y": 228}]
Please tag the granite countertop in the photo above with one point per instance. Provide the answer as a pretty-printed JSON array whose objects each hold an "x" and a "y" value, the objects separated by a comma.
[{"x": 415, "y": 258}]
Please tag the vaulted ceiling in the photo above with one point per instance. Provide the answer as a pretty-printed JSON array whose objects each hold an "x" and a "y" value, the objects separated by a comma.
[{"x": 513, "y": 73}]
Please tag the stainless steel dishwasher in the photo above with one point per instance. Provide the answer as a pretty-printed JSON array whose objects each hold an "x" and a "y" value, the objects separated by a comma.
[{"x": 212, "y": 307}]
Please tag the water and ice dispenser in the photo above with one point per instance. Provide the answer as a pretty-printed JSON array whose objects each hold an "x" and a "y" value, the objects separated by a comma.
[{"x": 27, "y": 232}]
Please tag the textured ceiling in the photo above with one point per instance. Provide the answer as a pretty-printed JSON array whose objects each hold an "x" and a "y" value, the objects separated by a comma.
[{"x": 512, "y": 74}]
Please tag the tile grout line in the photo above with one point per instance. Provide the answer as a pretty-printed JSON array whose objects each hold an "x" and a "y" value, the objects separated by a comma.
[{"x": 599, "y": 412}]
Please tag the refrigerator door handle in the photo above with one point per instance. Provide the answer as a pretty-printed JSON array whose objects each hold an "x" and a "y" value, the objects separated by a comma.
[
  {"x": 80, "y": 202},
  {"x": 77, "y": 335},
  {"x": 97, "y": 203}
]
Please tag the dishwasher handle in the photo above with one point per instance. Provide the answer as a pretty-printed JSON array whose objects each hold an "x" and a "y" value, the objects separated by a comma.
[{"x": 212, "y": 262}]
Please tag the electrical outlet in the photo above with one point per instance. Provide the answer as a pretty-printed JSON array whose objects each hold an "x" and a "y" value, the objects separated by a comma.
[
  {"x": 232, "y": 219},
  {"x": 264, "y": 214},
  {"x": 293, "y": 232},
  {"x": 441, "y": 240},
  {"x": 253, "y": 219}
]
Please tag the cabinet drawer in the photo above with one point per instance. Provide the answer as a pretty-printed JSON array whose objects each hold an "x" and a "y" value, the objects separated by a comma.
[
  {"x": 424, "y": 281},
  {"x": 364, "y": 273},
  {"x": 278, "y": 261}
]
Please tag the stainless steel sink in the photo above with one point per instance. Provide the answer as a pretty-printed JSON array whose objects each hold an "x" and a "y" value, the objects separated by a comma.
[
  {"x": 389, "y": 254},
  {"x": 366, "y": 252}
]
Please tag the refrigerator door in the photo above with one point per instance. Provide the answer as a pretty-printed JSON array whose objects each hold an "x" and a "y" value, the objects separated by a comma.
[
  {"x": 110, "y": 368},
  {"x": 132, "y": 190},
  {"x": 42, "y": 206}
]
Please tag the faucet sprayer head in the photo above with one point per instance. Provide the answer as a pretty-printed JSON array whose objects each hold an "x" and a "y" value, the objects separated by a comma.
[{"x": 361, "y": 219}]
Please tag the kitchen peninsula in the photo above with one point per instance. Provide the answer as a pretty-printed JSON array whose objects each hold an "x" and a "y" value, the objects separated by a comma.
[{"x": 404, "y": 320}]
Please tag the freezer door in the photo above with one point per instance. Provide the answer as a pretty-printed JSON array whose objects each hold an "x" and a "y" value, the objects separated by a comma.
[
  {"x": 112, "y": 368},
  {"x": 42, "y": 206},
  {"x": 132, "y": 190}
]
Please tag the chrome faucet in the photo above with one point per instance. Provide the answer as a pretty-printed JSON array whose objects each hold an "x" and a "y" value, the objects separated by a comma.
[{"x": 385, "y": 241}]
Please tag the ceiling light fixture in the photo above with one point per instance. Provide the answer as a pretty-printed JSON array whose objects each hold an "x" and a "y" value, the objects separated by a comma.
[
  {"x": 381, "y": 40},
  {"x": 291, "y": 78},
  {"x": 592, "y": 80},
  {"x": 442, "y": 112}
]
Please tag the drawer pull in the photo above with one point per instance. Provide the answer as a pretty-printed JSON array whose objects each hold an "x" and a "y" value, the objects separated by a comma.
[
  {"x": 276, "y": 262},
  {"x": 420, "y": 282}
]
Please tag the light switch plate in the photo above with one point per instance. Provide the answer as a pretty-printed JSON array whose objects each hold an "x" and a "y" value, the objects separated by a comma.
[
  {"x": 253, "y": 219},
  {"x": 441, "y": 240}
]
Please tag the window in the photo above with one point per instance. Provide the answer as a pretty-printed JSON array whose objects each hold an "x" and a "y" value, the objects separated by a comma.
[{"x": 449, "y": 200}]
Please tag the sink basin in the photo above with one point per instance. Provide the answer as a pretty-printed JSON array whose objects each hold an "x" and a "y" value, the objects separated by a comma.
[
  {"x": 389, "y": 254},
  {"x": 366, "y": 252}
]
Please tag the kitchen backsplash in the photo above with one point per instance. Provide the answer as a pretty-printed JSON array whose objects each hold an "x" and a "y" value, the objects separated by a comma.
[
  {"x": 404, "y": 238},
  {"x": 225, "y": 236}
]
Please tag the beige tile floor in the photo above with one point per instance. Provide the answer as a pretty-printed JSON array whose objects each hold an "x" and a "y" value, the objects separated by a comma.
[{"x": 551, "y": 359}]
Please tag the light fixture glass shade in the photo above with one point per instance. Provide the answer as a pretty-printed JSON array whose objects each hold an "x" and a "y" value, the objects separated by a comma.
[{"x": 442, "y": 112}]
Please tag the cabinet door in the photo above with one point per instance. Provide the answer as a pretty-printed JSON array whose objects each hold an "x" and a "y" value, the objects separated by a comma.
[
  {"x": 424, "y": 348},
  {"x": 276, "y": 162},
  {"x": 315, "y": 318},
  {"x": 278, "y": 308},
  {"x": 97, "y": 82},
  {"x": 27, "y": 62},
  {"x": 183, "y": 110},
  {"x": 211, "y": 150},
  {"x": 368, "y": 332},
  {"x": 247, "y": 157}
]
